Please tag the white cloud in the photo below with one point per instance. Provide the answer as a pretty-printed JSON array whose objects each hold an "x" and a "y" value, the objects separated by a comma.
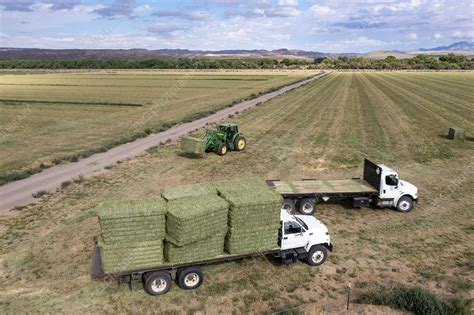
[
  {"x": 437, "y": 36},
  {"x": 412, "y": 36},
  {"x": 292, "y": 3},
  {"x": 463, "y": 35},
  {"x": 322, "y": 10}
]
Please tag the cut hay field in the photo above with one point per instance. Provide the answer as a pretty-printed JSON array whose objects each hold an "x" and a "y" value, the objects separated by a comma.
[
  {"x": 53, "y": 117},
  {"x": 321, "y": 130}
]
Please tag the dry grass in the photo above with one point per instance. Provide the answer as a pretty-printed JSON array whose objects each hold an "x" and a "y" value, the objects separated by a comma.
[
  {"x": 321, "y": 130},
  {"x": 51, "y": 117}
]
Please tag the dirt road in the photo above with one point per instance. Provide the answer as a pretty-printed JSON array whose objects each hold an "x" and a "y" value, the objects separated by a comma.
[{"x": 19, "y": 193}]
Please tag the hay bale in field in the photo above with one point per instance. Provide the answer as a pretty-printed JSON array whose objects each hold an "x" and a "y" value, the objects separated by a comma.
[
  {"x": 132, "y": 220},
  {"x": 186, "y": 191},
  {"x": 204, "y": 249},
  {"x": 456, "y": 133},
  {"x": 254, "y": 215},
  {"x": 193, "y": 145},
  {"x": 130, "y": 255},
  {"x": 195, "y": 218}
]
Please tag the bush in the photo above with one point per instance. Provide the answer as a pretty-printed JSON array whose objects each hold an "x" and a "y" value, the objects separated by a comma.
[{"x": 417, "y": 300}]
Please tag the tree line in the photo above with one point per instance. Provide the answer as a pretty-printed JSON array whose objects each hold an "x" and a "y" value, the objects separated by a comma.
[{"x": 448, "y": 62}]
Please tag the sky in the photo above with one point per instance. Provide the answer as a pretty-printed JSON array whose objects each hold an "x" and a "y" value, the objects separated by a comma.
[{"x": 313, "y": 25}]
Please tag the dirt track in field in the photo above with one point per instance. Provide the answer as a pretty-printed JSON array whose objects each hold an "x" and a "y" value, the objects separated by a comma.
[{"x": 20, "y": 193}]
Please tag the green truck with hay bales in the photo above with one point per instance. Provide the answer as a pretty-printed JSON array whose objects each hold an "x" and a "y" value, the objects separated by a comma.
[
  {"x": 172, "y": 236},
  {"x": 227, "y": 137}
]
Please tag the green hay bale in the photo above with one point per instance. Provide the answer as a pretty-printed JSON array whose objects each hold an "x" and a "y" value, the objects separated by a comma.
[
  {"x": 186, "y": 191},
  {"x": 192, "y": 145},
  {"x": 194, "y": 219},
  {"x": 457, "y": 133},
  {"x": 125, "y": 209},
  {"x": 265, "y": 199},
  {"x": 204, "y": 249},
  {"x": 132, "y": 220},
  {"x": 127, "y": 256},
  {"x": 247, "y": 241}
]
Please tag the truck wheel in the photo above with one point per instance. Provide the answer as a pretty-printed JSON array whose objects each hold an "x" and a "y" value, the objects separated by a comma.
[
  {"x": 240, "y": 143},
  {"x": 288, "y": 205},
  {"x": 190, "y": 278},
  {"x": 306, "y": 206},
  {"x": 222, "y": 149},
  {"x": 157, "y": 283},
  {"x": 405, "y": 204},
  {"x": 317, "y": 255}
]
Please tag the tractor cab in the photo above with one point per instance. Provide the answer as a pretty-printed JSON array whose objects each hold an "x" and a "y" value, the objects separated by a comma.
[{"x": 229, "y": 128}]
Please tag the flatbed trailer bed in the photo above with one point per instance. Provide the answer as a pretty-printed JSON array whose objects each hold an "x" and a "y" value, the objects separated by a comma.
[
  {"x": 127, "y": 276},
  {"x": 311, "y": 187}
]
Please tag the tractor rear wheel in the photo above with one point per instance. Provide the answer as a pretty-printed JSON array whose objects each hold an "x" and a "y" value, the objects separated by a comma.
[
  {"x": 240, "y": 143},
  {"x": 222, "y": 149}
]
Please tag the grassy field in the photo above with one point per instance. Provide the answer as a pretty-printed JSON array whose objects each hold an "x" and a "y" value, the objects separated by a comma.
[
  {"x": 51, "y": 117},
  {"x": 319, "y": 131}
]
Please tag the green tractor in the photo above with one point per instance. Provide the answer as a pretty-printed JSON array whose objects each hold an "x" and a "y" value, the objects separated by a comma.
[{"x": 226, "y": 137}]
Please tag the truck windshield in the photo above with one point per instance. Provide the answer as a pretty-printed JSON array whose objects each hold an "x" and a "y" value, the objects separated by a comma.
[{"x": 302, "y": 223}]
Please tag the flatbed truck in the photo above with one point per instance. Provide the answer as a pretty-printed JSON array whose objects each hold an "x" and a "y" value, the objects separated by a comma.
[
  {"x": 300, "y": 237},
  {"x": 380, "y": 186}
]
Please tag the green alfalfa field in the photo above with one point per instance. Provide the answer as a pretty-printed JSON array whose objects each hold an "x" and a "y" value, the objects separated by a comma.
[
  {"x": 322, "y": 130},
  {"x": 51, "y": 118}
]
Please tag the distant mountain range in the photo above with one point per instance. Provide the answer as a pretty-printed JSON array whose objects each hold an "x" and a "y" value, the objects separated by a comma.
[
  {"x": 6, "y": 53},
  {"x": 459, "y": 46}
]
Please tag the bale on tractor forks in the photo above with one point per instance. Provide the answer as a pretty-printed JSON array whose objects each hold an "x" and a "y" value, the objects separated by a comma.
[{"x": 191, "y": 145}]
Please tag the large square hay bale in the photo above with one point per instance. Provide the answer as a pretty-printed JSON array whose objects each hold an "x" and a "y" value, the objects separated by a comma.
[
  {"x": 186, "y": 191},
  {"x": 195, "y": 218},
  {"x": 457, "y": 133},
  {"x": 254, "y": 215},
  {"x": 193, "y": 145},
  {"x": 204, "y": 249},
  {"x": 130, "y": 255},
  {"x": 128, "y": 220}
]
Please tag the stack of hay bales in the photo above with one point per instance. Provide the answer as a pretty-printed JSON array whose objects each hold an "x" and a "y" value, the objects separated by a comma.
[
  {"x": 193, "y": 145},
  {"x": 196, "y": 223},
  {"x": 132, "y": 233},
  {"x": 457, "y": 133},
  {"x": 254, "y": 215}
]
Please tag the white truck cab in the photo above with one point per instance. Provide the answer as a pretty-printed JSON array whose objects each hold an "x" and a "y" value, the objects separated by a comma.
[
  {"x": 394, "y": 192},
  {"x": 303, "y": 237}
]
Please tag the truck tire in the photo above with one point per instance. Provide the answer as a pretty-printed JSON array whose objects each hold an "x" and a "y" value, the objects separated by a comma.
[
  {"x": 405, "y": 204},
  {"x": 240, "y": 143},
  {"x": 288, "y": 205},
  {"x": 222, "y": 149},
  {"x": 306, "y": 206},
  {"x": 190, "y": 278},
  {"x": 157, "y": 283},
  {"x": 317, "y": 255}
]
